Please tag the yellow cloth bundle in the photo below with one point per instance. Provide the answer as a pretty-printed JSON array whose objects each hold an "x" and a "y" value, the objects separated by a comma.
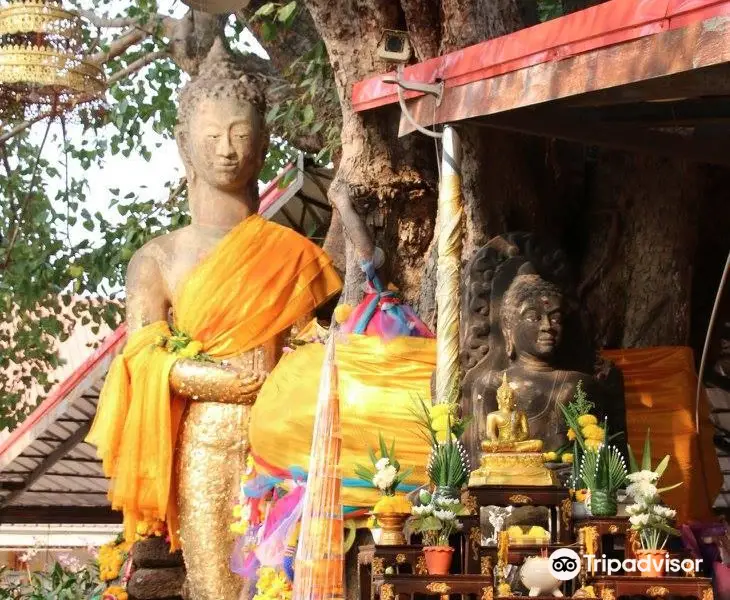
[{"x": 379, "y": 383}]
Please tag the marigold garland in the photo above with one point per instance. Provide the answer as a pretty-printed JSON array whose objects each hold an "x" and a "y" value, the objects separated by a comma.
[
  {"x": 115, "y": 592},
  {"x": 272, "y": 584}
]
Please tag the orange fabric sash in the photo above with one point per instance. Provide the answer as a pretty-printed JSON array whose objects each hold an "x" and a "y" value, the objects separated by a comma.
[
  {"x": 660, "y": 385},
  {"x": 258, "y": 281}
]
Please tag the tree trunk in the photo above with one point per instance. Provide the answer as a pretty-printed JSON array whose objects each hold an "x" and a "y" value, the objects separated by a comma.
[{"x": 641, "y": 242}]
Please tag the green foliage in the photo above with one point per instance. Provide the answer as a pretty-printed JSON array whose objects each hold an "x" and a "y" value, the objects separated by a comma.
[
  {"x": 49, "y": 279},
  {"x": 603, "y": 470},
  {"x": 369, "y": 475},
  {"x": 436, "y": 519},
  {"x": 59, "y": 583},
  {"x": 311, "y": 78},
  {"x": 448, "y": 464},
  {"x": 549, "y": 9},
  {"x": 646, "y": 463}
]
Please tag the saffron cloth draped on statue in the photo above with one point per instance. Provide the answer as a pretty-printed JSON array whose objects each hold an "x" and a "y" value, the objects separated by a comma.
[{"x": 258, "y": 281}]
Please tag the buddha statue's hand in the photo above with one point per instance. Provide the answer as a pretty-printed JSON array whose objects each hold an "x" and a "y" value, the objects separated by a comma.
[{"x": 209, "y": 382}]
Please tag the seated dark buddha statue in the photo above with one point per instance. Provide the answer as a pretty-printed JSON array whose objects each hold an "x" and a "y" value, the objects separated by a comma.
[
  {"x": 515, "y": 326},
  {"x": 531, "y": 319}
]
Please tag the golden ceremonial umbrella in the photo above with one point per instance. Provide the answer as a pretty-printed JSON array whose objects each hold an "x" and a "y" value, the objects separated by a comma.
[{"x": 41, "y": 60}]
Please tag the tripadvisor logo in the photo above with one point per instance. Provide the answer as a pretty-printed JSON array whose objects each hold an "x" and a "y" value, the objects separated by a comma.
[
  {"x": 565, "y": 564},
  {"x": 659, "y": 564}
]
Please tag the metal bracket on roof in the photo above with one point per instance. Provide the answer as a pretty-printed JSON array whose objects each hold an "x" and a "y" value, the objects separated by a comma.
[{"x": 433, "y": 89}]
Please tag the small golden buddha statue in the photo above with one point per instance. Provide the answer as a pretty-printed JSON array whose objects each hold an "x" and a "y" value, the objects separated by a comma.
[
  {"x": 507, "y": 428},
  {"x": 509, "y": 456}
]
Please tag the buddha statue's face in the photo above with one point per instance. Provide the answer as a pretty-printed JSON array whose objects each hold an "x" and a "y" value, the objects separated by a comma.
[
  {"x": 538, "y": 327},
  {"x": 533, "y": 323},
  {"x": 224, "y": 143}
]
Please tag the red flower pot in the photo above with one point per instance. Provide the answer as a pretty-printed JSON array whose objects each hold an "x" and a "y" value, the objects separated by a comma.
[
  {"x": 648, "y": 561},
  {"x": 438, "y": 559}
]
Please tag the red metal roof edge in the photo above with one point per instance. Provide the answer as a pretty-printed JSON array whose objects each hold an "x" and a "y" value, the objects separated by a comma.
[
  {"x": 272, "y": 192},
  {"x": 600, "y": 26},
  {"x": 110, "y": 343}
]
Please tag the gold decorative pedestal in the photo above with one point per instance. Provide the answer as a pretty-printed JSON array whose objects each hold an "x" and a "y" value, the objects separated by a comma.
[
  {"x": 392, "y": 525},
  {"x": 512, "y": 468}
]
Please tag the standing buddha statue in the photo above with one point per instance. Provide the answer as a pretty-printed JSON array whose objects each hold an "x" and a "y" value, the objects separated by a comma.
[{"x": 208, "y": 307}]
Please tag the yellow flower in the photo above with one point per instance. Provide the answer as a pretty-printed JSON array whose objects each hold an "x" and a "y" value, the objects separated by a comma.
[
  {"x": 567, "y": 458},
  {"x": 191, "y": 350},
  {"x": 342, "y": 313},
  {"x": 115, "y": 592},
  {"x": 442, "y": 410},
  {"x": 550, "y": 456},
  {"x": 239, "y": 527},
  {"x": 571, "y": 434},
  {"x": 580, "y": 495},
  {"x": 237, "y": 509},
  {"x": 593, "y": 444},
  {"x": 594, "y": 432},
  {"x": 585, "y": 420}
]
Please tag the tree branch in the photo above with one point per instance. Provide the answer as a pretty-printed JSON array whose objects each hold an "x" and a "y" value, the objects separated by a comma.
[
  {"x": 137, "y": 65},
  {"x": 104, "y": 21}
]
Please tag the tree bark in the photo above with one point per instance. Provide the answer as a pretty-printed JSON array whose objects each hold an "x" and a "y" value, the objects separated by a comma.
[{"x": 640, "y": 245}]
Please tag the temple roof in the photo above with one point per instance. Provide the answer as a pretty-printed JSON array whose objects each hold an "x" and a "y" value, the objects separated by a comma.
[{"x": 600, "y": 76}]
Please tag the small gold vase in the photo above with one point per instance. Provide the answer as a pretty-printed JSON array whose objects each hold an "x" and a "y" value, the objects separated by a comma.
[{"x": 392, "y": 525}]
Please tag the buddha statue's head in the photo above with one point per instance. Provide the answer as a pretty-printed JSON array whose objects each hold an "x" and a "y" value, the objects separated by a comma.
[
  {"x": 221, "y": 130},
  {"x": 505, "y": 395},
  {"x": 531, "y": 317}
]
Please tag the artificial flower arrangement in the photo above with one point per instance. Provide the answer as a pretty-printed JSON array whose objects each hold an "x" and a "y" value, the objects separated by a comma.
[
  {"x": 391, "y": 511},
  {"x": 599, "y": 469},
  {"x": 436, "y": 519},
  {"x": 448, "y": 470},
  {"x": 386, "y": 475},
  {"x": 441, "y": 428},
  {"x": 649, "y": 518}
]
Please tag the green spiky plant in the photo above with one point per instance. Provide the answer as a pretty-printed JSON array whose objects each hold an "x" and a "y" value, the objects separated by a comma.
[
  {"x": 646, "y": 463},
  {"x": 572, "y": 411},
  {"x": 603, "y": 473},
  {"x": 448, "y": 464}
]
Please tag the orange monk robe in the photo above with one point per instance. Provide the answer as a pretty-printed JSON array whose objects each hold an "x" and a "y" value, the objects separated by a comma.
[
  {"x": 660, "y": 386},
  {"x": 259, "y": 280}
]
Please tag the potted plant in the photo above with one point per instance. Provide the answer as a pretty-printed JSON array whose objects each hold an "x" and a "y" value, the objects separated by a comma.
[
  {"x": 599, "y": 469},
  {"x": 392, "y": 510},
  {"x": 648, "y": 516},
  {"x": 436, "y": 519},
  {"x": 448, "y": 465}
]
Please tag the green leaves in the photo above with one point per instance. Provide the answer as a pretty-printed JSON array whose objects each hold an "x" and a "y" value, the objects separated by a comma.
[
  {"x": 286, "y": 13},
  {"x": 58, "y": 583}
]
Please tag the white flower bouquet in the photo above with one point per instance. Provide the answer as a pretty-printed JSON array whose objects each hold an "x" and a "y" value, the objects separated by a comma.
[
  {"x": 647, "y": 515},
  {"x": 435, "y": 518},
  {"x": 386, "y": 475}
]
